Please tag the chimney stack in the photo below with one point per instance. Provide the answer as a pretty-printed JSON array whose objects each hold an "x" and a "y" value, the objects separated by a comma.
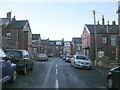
[
  {"x": 9, "y": 16},
  {"x": 103, "y": 21},
  {"x": 98, "y": 22},
  {"x": 107, "y": 28},
  {"x": 113, "y": 23}
]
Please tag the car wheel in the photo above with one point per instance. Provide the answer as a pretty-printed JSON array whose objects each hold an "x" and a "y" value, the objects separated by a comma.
[
  {"x": 109, "y": 83},
  {"x": 14, "y": 76},
  {"x": 31, "y": 68},
  {"x": 25, "y": 70},
  {"x": 71, "y": 64}
]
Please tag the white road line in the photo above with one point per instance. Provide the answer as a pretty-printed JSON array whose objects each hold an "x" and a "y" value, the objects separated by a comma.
[
  {"x": 56, "y": 71},
  {"x": 56, "y": 84},
  {"x": 56, "y": 65}
]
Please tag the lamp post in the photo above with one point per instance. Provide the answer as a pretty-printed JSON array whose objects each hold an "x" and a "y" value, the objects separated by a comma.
[{"x": 95, "y": 38}]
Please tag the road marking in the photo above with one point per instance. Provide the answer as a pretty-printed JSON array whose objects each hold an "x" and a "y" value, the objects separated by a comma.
[
  {"x": 47, "y": 76},
  {"x": 56, "y": 84},
  {"x": 56, "y": 65},
  {"x": 56, "y": 71}
]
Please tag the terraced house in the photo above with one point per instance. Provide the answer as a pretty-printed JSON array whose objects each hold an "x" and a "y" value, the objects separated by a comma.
[
  {"x": 106, "y": 39},
  {"x": 18, "y": 34}
]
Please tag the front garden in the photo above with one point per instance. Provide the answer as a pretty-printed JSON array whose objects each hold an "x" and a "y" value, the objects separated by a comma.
[{"x": 107, "y": 62}]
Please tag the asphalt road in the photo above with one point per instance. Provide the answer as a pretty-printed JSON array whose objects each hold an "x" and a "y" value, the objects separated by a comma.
[{"x": 55, "y": 73}]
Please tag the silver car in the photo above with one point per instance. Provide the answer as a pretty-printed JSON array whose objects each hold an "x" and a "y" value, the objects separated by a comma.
[{"x": 81, "y": 61}]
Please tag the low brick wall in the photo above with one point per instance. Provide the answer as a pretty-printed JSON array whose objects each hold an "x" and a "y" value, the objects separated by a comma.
[{"x": 112, "y": 65}]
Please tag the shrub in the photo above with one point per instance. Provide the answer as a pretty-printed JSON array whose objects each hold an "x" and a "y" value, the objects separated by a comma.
[{"x": 106, "y": 60}]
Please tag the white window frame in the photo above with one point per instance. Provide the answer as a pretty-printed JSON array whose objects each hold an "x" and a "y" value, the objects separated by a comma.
[
  {"x": 113, "y": 40},
  {"x": 104, "y": 39}
]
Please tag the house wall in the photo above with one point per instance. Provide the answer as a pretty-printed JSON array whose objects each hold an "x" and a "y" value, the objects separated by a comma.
[{"x": 12, "y": 42}]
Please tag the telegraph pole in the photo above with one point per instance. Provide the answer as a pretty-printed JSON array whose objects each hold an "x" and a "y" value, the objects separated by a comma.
[{"x": 95, "y": 38}]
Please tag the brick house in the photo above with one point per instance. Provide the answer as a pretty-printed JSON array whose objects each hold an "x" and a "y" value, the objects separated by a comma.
[
  {"x": 67, "y": 47},
  {"x": 44, "y": 46},
  {"x": 19, "y": 36},
  {"x": 3, "y": 23},
  {"x": 76, "y": 45},
  {"x": 36, "y": 43},
  {"x": 106, "y": 37},
  {"x": 56, "y": 47},
  {"x": 52, "y": 46}
]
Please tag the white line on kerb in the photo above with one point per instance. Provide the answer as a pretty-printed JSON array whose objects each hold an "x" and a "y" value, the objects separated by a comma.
[{"x": 56, "y": 84}]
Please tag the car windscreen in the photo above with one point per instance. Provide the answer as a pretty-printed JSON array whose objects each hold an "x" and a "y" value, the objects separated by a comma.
[
  {"x": 82, "y": 57},
  {"x": 15, "y": 54}
]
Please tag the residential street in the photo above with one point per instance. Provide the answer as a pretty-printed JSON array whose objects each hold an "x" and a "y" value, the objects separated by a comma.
[{"x": 55, "y": 73}]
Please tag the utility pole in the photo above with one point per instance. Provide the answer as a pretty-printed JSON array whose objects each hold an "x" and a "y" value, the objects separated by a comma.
[{"x": 95, "y": 38}]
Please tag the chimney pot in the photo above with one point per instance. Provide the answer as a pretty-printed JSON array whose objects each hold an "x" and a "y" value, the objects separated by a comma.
[
  {"x": 113, "y": 23},
  {"x": 9, "y": 16}
]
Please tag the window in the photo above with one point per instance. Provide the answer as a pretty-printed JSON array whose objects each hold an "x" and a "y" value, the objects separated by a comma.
[
  {"x": 8, "y": 35},
  {"x": 104, "y": 39},
  {"x": 113, "y": 40}
]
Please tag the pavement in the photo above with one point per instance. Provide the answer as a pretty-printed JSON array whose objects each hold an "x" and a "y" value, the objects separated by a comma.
[{"x": 101, "y": 69}]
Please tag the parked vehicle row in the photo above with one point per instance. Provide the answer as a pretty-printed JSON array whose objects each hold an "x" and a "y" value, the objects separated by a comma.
[{"x": 11, "y": 62}]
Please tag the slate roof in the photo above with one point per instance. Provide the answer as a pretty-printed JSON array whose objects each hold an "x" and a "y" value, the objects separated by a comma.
[
  {"x": 17, "y": 24},
  {"x": 76, "y": 40},
  {"x": 35, "y": 36},
  {"x": 100, "y": 30},
  {"x": 44, "y": 42},
  {"x": 3, "y": 21}
]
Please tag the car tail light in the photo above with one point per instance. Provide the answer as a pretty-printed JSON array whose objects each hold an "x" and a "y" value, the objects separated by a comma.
[{"x": 21, "y": 60}]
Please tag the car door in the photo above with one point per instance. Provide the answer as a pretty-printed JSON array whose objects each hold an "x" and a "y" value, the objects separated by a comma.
[
  {"x": 115, "y": 77},
  {"x": 5, "y": 65}
]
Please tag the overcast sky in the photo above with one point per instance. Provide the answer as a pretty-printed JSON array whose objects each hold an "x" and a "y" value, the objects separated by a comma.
[{"x": 62, "y": 18}]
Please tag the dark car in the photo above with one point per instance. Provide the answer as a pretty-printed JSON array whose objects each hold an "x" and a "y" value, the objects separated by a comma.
[
  {"x": 113, "y": 78},
  {"x": 7, "y": 69},
  {"x": 22, "y": 59}
]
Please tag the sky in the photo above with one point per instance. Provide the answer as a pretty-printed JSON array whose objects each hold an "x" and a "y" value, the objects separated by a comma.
[{"x": 57, "y": 19}]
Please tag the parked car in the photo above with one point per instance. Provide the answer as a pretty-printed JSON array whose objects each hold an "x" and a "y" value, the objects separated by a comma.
[
  {"x": 22, "y": 59},
  {"x": 81, "y": 61},
  {"x": 7, "y": 69},
  {"x": 50, "y": 55},
  {"x": 113, "y": 78},
  {"x": 68, "y": 58},
  {"x": 42, "y": 57}
]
